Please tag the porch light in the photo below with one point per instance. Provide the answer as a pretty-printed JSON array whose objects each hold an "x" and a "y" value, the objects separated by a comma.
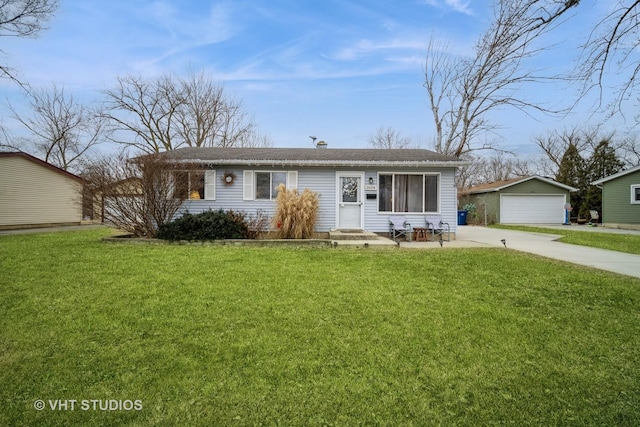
[{"x": 370, "y": 180}]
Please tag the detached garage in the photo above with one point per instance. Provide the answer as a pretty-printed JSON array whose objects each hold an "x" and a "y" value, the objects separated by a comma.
[
  {"x": 524, "y": 200},
  {"x": 34, "y": 193}
]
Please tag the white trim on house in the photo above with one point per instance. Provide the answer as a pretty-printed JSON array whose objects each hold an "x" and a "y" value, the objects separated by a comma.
[
  {"x": 360, "y": 196},
  {"x": 616, "y": 175},
  {"x": 635, "y": 200},
  {"x": 247, "y": 185},
  {"x": 210, "y": 184},
  {"x": 327, "y": 163},
  {"x": 292, "y": 180}
]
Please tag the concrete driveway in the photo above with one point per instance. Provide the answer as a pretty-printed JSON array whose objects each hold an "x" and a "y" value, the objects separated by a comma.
[{"x": 544, "y": 245}]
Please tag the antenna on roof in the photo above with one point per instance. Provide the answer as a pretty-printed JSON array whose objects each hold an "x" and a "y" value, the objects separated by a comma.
[{"x": 313, "y": 140}]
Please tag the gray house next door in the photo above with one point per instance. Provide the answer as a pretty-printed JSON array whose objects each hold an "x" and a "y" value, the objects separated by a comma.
[{"x": 349, "y": 206}]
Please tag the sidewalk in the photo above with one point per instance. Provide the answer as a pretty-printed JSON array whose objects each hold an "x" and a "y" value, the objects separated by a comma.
[{"x": 543, "y": 245}]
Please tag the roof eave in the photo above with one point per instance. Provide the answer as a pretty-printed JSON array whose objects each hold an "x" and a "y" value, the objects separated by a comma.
[
  {"x": 616, "y": 175},
  {"x": 327, "y": 163}
]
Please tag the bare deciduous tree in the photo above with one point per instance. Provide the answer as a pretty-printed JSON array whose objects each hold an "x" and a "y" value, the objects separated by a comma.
[
  {"x": 388, "y": 138},
  {"x": 136, "y": 195},
  {"x": 463, "y": 90},
  {"x": 162, "y": 114},
  {"x": 630, "y": 151},
  {"x": 62, "y": 130},
  {"x": 555, "y": 144},
  {"x": 498, "y": 167},
  {"x": 614, "y": 42},
  {"x": 208, "y": 117},
  {"x": 142, "y": 113},
  {"x": 254, "y": 139},
  {"x": 23, "y": 18}
]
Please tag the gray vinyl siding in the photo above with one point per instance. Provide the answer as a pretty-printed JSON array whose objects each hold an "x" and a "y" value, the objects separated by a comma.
[
  {"x": 617, "y": 208},
  {"x": 323, "y": 182},
  {"x": 32, "y": 194}
]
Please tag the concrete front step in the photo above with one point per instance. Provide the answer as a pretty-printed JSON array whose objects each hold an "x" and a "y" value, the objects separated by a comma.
[{"x": 352, "y": 235}]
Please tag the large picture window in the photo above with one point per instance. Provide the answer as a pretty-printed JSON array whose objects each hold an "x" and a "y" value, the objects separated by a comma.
[{"x": 417, "y": 193}]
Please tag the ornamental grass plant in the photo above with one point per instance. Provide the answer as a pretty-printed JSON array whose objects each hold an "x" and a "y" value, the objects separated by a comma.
[{"x": 296, "y": 213}]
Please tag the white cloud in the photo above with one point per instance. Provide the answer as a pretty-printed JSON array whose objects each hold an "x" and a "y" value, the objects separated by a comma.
[
  {"x": 367, "y": 47},
  {"x": 456, "y": 5}
]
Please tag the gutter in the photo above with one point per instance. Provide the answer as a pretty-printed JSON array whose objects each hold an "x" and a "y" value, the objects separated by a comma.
[{"x": 327, "y": 163}]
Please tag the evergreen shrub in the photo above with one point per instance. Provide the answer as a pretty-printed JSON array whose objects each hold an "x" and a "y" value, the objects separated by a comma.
[{"x": 208, "y": 225}]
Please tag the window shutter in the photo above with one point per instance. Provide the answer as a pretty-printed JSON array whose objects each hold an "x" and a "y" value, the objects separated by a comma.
[
  {"x": 210, "y": 185},
  {"x": 247, "y": 185},
  {"x": 292, "y": 180}
]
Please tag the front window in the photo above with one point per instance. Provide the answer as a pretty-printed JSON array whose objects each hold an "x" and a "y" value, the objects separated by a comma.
[
  {"x": 408, "y": 193},
  {"x": 188, "y": 185},
  {"x": 635, "y": 193},
  {"x": 267, "y": 184}
]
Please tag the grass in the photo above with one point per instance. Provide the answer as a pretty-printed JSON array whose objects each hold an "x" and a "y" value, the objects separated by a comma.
[
  {"x": 629, "y": 243},
  {"x": 206, "y": 335}
]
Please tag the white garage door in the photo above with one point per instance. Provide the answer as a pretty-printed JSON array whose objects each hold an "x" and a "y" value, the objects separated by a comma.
[{"x": 532, "y": 209}]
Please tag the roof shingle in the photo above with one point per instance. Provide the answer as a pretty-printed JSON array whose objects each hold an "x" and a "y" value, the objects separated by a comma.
[{"x": 311, "y": 156}]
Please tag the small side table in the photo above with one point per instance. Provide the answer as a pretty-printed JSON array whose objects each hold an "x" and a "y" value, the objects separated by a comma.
[{"x": 420, "y": 234}]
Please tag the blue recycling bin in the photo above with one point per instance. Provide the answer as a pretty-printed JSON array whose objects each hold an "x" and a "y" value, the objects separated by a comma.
[{"x": 462, "y": 217}]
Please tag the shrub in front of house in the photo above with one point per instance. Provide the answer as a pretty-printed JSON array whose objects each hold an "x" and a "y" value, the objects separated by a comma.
[
  {"x": 209, "y": 225},
  {"x": 256, "y": 224},
  {"x": 296, "y": 213}
]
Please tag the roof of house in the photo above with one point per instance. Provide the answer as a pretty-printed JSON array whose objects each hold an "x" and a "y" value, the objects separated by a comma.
[
  {"x": 616, "y": 175},
  {"x": 500, "y": 185},
  {"x": 41, "y": 163},
  {"x": 312, "y": 157}
]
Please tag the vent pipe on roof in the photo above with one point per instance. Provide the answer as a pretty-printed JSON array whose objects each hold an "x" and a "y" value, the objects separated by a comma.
[{"x": 321, "y": 144}]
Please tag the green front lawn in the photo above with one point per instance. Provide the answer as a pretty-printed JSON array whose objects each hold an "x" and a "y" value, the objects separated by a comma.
[
  {"x": 629, "y": 243},
  {"x": 205, "y": 335}
]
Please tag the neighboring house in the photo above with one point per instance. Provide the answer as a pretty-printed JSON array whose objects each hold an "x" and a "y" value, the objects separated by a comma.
[
  {"x": 34, "y": 193},
  {"x": 523, "y": 200},
  {"x": 357, "y": 188},
  {"x": 621, "y": 199}
]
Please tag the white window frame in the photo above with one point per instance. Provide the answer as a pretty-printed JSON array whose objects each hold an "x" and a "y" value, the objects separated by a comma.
[
  {"x": 633, "y": 194},
  {"x": 249, "y": 183},
  {"x": 423, "y": 174}
]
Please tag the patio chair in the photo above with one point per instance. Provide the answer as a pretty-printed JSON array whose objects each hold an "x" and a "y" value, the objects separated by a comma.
[
  {"x": 398, "y": 226},
  {"x": 437, "y": 227},
  {"x": 594, "y": 217}
]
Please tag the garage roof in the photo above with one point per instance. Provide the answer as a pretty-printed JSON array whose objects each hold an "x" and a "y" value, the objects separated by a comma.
[{"x": 500, "y": 185}]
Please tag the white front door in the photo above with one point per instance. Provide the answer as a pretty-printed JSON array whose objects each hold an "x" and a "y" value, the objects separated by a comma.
[{"x": 349, "y": 200}]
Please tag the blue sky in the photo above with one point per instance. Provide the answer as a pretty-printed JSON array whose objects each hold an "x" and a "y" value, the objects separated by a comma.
[{"x": 334, "y": 69}]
